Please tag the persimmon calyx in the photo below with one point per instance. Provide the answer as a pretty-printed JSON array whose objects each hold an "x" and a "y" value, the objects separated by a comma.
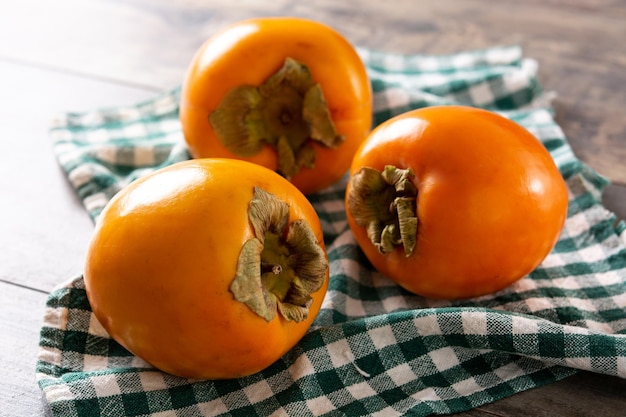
[
  {"x": 282, "y": 265},
  {"x": 385, "y": 204},
  {"x": 287, "y": 112}
]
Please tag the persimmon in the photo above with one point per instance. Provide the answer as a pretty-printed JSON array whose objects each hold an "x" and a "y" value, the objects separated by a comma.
[
  {"x": 207, "y": 269},
  {"x": 287, "y": 93},
  {"x": 454, "y": 202}
]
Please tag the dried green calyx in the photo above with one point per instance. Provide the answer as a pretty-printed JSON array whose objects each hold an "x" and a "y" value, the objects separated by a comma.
[
  {"x": 385, "y": 204},
  {"x": 287, "y": 112},
  {"x": 282, "y": 265}
]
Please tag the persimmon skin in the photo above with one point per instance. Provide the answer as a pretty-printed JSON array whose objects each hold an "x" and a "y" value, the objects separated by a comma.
[
  {"x": 248, "y": 53},
  {"x": 162, "y": 258},
  {"x": 491, "y": 202}
]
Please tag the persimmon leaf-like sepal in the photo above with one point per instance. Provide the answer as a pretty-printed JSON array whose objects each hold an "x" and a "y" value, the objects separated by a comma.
[
  {"x": 282, "y": 265},
  {"x": 288, "y": 112}
]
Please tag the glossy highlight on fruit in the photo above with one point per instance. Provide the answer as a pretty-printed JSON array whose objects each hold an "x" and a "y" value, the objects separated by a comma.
[
  {"x": 207, "y": 269},
  {"x": 454, "y": 202}
]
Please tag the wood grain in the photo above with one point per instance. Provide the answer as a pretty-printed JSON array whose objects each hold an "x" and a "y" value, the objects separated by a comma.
[
  {"x": 44, "y": 242},
  {"x": 577, "y": 396},
  {"x": 75, "y": 55},
  {"x": 22, "y": 311}
]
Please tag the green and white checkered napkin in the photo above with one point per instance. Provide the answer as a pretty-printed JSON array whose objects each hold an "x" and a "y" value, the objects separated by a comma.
[{"x": 374, "y": 349}]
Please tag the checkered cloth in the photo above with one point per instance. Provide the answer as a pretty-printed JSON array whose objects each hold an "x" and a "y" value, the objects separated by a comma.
[{"x": 374, "y": 349}]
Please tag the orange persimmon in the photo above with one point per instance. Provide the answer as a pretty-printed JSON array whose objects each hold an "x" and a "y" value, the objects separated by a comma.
[
  {"x": 455, "y": 202},
  {"x": 209, "y": 268},
  {"x": 286, "y": 93}
]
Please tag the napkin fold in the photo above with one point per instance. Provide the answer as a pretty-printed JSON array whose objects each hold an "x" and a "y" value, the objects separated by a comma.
[{"x": 374, "y": 349}]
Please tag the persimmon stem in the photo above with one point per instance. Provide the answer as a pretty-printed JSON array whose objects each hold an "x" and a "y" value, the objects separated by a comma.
[
  {"x": 273, "y": 268},
  {"x": 278, "y": 269},
  {"x": 287, "y": 112},
  {"x": 385, "y": 204}
]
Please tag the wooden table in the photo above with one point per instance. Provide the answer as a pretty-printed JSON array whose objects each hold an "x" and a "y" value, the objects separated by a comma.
[{"x": 62, "y": 55}]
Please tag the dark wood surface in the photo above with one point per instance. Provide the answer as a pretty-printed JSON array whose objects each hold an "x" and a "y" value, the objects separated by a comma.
[{"x": 75, "y": 55}]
